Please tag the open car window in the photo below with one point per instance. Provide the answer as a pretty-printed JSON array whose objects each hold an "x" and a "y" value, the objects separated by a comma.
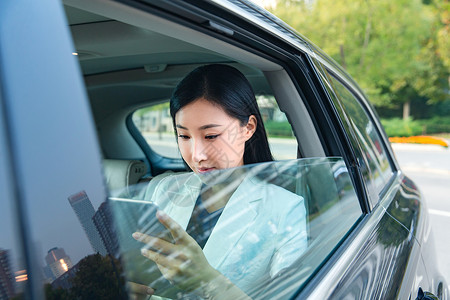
[{"x": 281, "y": 222}]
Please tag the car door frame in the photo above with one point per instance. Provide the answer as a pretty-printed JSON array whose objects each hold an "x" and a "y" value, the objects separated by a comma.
[
  {"x": 296, "y": 61},
  {"x": 51, "y": 139},
  {"x": 378, "y": 211}
]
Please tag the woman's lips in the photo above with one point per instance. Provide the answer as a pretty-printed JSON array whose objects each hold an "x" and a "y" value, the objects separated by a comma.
[{"x": 204, "y": 170}]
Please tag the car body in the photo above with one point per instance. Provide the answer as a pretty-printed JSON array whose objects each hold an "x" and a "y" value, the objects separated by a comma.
[{"x": 73, "y": 75}]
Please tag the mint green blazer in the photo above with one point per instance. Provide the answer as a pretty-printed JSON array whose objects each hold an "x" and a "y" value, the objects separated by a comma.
[{"x": 261, "y": 231}]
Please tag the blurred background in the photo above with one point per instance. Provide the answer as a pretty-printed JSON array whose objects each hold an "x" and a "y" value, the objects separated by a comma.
[
  {"x": 397, "y": 50},
  {"x": 399, "y": 53}
]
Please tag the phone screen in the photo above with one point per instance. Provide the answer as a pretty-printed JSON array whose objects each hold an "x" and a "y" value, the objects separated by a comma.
[{"x": 140, "y": 216}]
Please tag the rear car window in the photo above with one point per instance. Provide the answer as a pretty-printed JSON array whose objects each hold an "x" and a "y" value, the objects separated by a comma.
[
  {"x": 155, "y": 125},
  {"x": 365, "y": 137}
]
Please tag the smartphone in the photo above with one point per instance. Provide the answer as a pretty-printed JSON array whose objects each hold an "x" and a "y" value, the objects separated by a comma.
[{"x": 140, "y": 216}]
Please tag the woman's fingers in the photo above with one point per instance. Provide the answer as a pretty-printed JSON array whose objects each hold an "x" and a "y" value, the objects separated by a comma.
[
  {"x": 139, "y": 291},
  {"x": 154, "y": 242},
  {"x": 166, "y": 261},
  {"x": 176, "y": 230}
]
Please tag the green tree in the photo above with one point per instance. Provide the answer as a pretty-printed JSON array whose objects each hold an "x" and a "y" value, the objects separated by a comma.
[
  {"x": 98, "y": 277},
  {"x": 442, "y": 10},
  {"x": 56, "y": 294},
  {"x": 388, "y": 46}
]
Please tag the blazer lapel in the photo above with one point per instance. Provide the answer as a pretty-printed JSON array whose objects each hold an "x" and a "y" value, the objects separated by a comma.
[
  {"x": 237, "y": 216},
  {"x": 182, "y": 194}
]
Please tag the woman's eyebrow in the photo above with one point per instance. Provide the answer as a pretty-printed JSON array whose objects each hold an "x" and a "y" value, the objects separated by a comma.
[{"x": 207, "y": 126}]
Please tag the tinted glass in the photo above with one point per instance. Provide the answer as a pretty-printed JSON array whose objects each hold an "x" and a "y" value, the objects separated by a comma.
[
  {"x": 366, "y": 139},
  {"x": 279, "y": 222},
  {"x": 13, "y": 272}
]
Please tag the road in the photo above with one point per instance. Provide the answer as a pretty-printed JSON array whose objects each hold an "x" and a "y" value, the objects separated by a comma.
[{"x": 429, "y": 167}]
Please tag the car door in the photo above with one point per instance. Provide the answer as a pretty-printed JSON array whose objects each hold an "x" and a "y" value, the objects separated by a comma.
[
  {"x": 49, "y": 150},
  {"x": 54, "y": 173},
  {"x": 361, "y": 241},
  {"x": 390, "y": 195}
]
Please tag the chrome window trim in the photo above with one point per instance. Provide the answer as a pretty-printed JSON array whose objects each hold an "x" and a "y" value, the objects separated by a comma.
[{"x": 233, "y": 8}]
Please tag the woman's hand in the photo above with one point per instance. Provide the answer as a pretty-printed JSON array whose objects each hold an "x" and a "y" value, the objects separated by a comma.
[
  {"x": 139, "y": 291},
  {"x": 182, "y": 263}
]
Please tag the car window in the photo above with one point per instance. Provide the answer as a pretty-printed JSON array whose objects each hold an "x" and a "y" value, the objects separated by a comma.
[
  {"x": 282, "y": 221},
  {"x": 365, "y": 137},
  {"x": 13, "y": 272},
  {"x": 155, "y": 125}
]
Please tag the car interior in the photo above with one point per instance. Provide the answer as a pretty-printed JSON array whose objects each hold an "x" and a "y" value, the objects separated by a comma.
[
  {"x": 127, "y": 67},
  {"x": 131, "y": 60}
]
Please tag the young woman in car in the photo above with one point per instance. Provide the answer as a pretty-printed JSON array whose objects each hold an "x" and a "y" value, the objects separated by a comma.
[{"x": 233, "y": 235}]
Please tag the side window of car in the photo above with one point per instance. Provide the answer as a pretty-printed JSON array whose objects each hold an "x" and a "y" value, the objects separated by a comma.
[
  {"x": 365, "y": 137},
  {"x": 155, "y": 124},
  {"x": 281, "y": 223},
  {"x": 13, "y": 272}
]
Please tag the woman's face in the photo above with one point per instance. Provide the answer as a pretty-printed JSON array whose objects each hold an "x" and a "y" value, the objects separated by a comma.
[{"x": 209, "y": 138}]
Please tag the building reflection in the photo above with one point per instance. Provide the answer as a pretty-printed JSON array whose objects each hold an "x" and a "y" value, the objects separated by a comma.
[
  {"x": 57, "y": 263},
  {"x": 85, "y": 212},
  {"x": 7, "y": 286}
]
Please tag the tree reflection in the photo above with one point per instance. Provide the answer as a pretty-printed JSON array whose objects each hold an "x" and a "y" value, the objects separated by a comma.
[{"x": 97, "y": 277}]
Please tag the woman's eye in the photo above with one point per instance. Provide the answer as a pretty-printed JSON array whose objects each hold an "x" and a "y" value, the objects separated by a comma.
[
  {"x": 211, "y": 137},
  {"x": 182, "y": 136}
]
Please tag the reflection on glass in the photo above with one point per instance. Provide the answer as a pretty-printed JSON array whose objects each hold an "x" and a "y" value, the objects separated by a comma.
[
  {"x": 96, "y": 276},
  {"x": 265, "y": 227},
  {"x": 85, "y": 212},
  {"x": 365, "y": 139},
  {"x": 57, "y": 263},
  {"x": 7, "y": 285}
]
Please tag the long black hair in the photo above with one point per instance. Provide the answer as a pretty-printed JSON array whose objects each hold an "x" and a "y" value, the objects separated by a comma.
[{"x": 227, "y": 87}]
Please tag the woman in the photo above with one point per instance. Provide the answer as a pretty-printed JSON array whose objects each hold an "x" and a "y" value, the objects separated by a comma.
[{"x": 254, "y": 229}]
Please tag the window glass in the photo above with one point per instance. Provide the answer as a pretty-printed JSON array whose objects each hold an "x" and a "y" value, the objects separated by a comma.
[
  {"x": 13, "y": 271},
  {"x": 366, "y": 139},
  {"x": 279, "y": 222},
  {"x": 155, "y": 124}
]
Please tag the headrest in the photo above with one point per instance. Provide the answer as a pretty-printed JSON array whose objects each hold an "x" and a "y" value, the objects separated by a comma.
[{"x": 121, "y": 174}]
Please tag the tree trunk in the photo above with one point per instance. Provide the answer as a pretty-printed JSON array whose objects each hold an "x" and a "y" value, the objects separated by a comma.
[
  {"x": 406, "y": 110},
  {"x": 341, "y": 48}
]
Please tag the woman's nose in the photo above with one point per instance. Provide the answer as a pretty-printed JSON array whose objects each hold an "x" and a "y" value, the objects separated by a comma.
[{"x": 199, "y": 151}]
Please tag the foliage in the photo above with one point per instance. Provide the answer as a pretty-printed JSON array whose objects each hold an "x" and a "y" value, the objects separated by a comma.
[
  {"x": 56, "y": 294},
  {"x": 143, "y": 111},
  {"x": 436, "y": 125},
  {"x": 97, "y": 278},
  {"x": 281, "y": 129},
  {"x": 399, "y": 127},
  {"x": 396, "y": 50},
  {"x": 442, "y": 9}
]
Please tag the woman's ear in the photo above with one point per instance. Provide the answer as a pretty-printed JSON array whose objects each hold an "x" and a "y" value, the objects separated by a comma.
[{"x": 250, "y": 127}]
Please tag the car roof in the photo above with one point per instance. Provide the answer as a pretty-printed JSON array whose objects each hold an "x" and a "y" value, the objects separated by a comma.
[{"x": 126, "y": 66}]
